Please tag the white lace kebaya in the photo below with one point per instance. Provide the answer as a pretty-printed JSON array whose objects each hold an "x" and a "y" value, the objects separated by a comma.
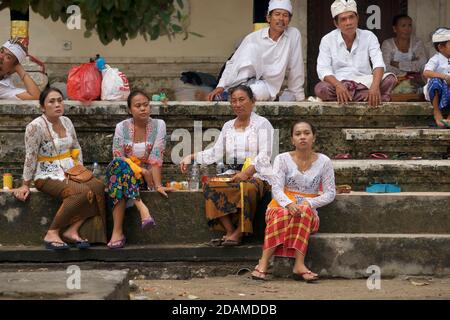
[
  {"x": 38, "y": 143},
  {"x": 287, "y": 175},
  {"x": 256, "y": 142}
]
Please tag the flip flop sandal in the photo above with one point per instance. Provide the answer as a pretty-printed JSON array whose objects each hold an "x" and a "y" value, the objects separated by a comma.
[
  {"x": 119, "y": 244},
  {"x": 56, "y": 245},
  {"x": 379, "y": 156},
  {"x": 149, "y": 222},
  {"x": 301, "y": 277},
  {"x": 82, "y": 245},
  {"x": 231, "y": 243},
  {"x": 262, "y": 275},
  {"x": 343, "y": 156},
  {"x": 445, "y": 123},
  {"x": 216, "y": 242}
]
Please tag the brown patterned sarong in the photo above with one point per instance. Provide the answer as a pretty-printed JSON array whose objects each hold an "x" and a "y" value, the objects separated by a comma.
[
  {"x": 224, "y": 198},
  {"x": 80, "y": 201}
]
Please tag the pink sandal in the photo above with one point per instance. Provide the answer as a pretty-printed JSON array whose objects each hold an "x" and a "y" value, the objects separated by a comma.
[
  {"x": 379, "y": 156},
  {"x": 343, "y": 156}
]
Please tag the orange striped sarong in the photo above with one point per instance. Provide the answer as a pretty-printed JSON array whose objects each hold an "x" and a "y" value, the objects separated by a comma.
[{"x": 286, "y": 232}]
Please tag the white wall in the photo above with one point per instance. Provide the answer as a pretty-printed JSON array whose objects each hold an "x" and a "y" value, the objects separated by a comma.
[{"x": 222, "y": 22}]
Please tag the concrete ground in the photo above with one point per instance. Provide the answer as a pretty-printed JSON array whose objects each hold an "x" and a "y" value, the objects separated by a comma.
[{"x": 244, "y": 288}]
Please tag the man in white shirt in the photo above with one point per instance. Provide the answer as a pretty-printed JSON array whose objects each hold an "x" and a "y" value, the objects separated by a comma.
[
  {"x": 12, "y": 54},
  {"x": 264, "y": 57},
  {"x": 343, "y": 66}
]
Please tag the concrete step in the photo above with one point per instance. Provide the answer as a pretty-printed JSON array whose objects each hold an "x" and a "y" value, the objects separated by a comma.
[
  {"x": 331, "y": 255},
  {"x": 411, "y": 175},
  {"x": 425, "y": 143},
  {"x": 53, "y": 285},
  {"x": 95, "y": 123},
  {"x": 181, "y": 218}
]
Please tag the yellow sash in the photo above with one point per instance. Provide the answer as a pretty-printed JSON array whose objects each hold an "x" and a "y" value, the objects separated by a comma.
[
  {"x": 134, "y": 163},
  {"x": 291, "y": 195},
  {"x": 73, "y": 153}
]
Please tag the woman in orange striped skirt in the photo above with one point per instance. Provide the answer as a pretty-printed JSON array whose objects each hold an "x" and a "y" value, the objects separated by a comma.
[{"x": 292, "y": 217}]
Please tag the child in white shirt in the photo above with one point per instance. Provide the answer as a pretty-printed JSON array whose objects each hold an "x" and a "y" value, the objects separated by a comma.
[{"x": 437, "y": 71}]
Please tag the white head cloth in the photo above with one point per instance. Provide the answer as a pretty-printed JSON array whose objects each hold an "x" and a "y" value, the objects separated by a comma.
[
  {"x": 16, "y": 50},
  {"x": 441, "y": 35},
  {"x": 280, "y": 4},
  {"x": 341, "y": 6}
]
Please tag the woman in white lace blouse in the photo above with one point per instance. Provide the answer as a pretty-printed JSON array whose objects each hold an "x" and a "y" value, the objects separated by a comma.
[
  {"x": 51, "y": 149},
  {"x": 405, "y": 56},
  {"x": 246, "y": 139},
  {"x": 291, "y": 217}
]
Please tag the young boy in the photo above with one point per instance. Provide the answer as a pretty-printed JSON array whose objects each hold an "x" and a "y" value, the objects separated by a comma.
[{"x": 437, "y": 71}]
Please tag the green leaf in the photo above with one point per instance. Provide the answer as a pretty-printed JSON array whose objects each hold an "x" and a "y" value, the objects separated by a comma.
[
  {"x": 176, "y": 28},
  {"x": 180, "y": 4}
]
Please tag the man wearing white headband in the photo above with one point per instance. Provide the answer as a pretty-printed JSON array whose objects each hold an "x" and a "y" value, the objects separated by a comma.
[
  {"x": 264, "y": 56},
  {"x": 350, "y": 63},
  {"x": 12, "y": 54},
  {"x": 437, "y": 71}
]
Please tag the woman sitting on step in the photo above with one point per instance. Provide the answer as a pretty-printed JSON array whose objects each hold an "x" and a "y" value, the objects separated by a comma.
[
  {"x": 52, "y": 148},
  {"x": 231, "y": 202},
  {"x": 292, "y": 217},
  {"x": 138, "y": 150}
]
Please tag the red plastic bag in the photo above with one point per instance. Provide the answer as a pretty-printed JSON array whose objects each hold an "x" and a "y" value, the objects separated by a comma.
[{"x": 84, "y": 83}]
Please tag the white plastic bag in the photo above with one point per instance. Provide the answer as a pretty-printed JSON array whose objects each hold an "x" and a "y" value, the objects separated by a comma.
[{"x": 115, "y": 86}]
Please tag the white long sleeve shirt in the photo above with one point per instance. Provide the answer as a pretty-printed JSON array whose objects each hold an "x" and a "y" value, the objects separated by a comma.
[
  {"x": 8, "y": 90},
  {"x": 286, "y": 175},
  {"x": 412, "y": 61},
  {"x": 437, "y": 63},
  {"x": 355, "y": 65},
  {"x": 260, "y": 57},
  {"x": 255, "y": 142}
]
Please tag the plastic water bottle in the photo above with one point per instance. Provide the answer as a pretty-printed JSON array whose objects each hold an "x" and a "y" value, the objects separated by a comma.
[
  {"x": 95, "y": 170},
  {"x": 220, "y": 168},
  {"x": 194, "y": 180}
]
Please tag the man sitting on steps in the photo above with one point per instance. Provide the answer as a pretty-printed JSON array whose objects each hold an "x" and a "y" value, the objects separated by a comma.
[
  {"x": 264, "y": 57},
  {"x": 350, "y": 62}
]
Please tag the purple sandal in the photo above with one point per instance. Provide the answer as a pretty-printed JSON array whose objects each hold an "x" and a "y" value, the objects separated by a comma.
[
  {"x": 119, "y": 244},
  {"x": 148, "y": 222}
]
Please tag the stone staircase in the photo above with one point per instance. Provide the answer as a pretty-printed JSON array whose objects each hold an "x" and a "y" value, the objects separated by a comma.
[{"x": 404, "y": 233}]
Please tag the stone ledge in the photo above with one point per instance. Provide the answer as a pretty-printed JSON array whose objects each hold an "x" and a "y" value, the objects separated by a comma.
[
  {"x": 217, "y": 108},
  {"x": 182, "y": 217},
  {"x": 397, "y": 134}
]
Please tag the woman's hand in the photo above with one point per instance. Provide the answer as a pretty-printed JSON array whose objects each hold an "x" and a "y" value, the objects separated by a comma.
[
  {"x": 294, "y": 209},
  {"x": 240, "y": 177},
  {"x": 22, "y": 193},
  {"x": 148, "y": 177},
  {"x": 304, "y": 207},
  {"x": 163, "y": 190},
  {"x": 184, "y": 164}
]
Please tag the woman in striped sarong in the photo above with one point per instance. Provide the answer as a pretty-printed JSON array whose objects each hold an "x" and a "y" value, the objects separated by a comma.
[{"x": 292, "y": 217}]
